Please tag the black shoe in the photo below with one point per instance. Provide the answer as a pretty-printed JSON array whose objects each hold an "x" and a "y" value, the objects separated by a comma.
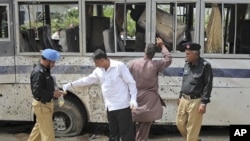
[{"x": 199, "y": 139}]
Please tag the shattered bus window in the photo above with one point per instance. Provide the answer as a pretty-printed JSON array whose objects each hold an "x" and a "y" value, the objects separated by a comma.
[
  {"x": 227, "y": 28},
  {"x": 49, "y": 25},
  {"x": 239, "y": 20},
  {"x": 113, "y": 27},
  {"x": 4, "y": 21},
  {"x": 177, "y": 17}
]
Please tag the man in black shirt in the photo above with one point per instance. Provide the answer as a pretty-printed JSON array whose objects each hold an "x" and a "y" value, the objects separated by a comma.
[
  {"x": 195, "y": 93},
  {"x": 43, "y": 91}
]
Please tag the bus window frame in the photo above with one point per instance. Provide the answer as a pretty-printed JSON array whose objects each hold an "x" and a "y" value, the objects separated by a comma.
[
  {"x": 120, "y": 53},
  {"x": 150, "y": 8},
  {"x": 8, "y": 22},
  {"x": 202, "y": 38},
  {"x": 175, "y": 52},
  {"x": 200, "y": 12},
  {"x": 17, "y": 29}
]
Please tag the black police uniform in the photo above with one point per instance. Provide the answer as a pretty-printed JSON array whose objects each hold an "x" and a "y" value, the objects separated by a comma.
[
  {"x": 196, "y": 89},
  {"x": 42, "y": 84},
  {"x": 197, "y": 81},
  {"x": 43, "y": 87}
]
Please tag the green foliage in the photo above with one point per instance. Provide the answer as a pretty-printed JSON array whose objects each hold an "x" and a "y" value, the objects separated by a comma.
[
  {"x": 108, "y": 11},
  {"x": 58, "y": 20},
  {"x": 71, "y": 16},
  {"x": 130, "y": 26},
  {"x": 63, "y": 20}
]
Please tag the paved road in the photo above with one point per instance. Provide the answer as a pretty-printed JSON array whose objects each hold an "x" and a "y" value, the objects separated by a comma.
[
  {"x": 156, "y": 134},
  {"x": 207, "y": 135},
  {"x": 89, "y": 137}
]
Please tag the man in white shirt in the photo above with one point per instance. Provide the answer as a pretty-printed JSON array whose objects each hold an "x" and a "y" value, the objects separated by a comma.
[{"x": 119, "y": 94}]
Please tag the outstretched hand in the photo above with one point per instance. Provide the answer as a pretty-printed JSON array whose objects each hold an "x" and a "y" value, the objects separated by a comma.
[
  {"x": 159, "y": 42},
  {"x": 66, "y": 86}
]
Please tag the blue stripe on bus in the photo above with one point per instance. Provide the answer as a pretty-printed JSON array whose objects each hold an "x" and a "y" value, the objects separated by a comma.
[
  {"x": 217, "y": 72},
  {"x": 172, "y": 71},
  {"x": 7, "y": 70}
]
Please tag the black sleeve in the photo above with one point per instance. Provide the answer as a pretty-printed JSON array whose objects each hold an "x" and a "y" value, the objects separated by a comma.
[{"x": 208, "y": 84}]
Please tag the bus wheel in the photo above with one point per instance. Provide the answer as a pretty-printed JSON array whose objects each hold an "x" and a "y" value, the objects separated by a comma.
[{"x": 69, "y": 119}]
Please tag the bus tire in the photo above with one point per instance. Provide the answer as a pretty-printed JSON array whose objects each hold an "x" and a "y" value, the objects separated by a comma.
[{"x": 69, "y": 119}]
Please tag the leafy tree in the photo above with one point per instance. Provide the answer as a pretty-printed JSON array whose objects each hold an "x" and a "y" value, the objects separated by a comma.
[
  {"x": 63, "y": 20},
  {"x": 108, "y": 12}
]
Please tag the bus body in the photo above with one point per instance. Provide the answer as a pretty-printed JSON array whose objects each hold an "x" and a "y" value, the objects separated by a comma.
[{"x": 122, "y": 28}]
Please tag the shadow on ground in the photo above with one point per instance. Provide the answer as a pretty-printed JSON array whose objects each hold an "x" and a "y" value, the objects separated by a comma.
[{"x": 102, "y": 129}]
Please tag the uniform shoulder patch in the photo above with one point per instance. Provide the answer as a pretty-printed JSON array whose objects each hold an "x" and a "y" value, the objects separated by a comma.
[
  {"x": 41, "y": 70},
  {"x": 205, "y": 62}
]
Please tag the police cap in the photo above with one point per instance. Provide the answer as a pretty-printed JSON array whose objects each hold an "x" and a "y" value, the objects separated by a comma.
[
  {"x": 51, "y": 54},
  {"x": 192, "y": 46}
]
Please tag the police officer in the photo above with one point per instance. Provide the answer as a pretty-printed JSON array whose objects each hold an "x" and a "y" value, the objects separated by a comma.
[
  {"x": 43, "y": 91},
  {"x": 195, "y": 93}
]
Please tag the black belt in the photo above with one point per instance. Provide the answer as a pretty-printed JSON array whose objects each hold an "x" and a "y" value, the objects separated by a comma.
[
  {"x": 188, "y": 97},
  {"x": 40, "y": 99}
]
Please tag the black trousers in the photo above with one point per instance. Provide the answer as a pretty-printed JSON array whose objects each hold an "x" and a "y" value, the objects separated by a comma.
[{"x": 121, "y": 125}]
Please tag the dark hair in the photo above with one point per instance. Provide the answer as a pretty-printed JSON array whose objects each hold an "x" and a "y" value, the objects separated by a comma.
[
  {"x": 99, "y": 54},
  {"x": 44, "y": 58},
  {"x": 150, "y": 50}
]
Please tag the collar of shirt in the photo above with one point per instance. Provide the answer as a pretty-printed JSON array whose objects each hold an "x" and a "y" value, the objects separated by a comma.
[
  {"x": 194, "y": 64},
  {"x": 112, "y": 64},
  {"x": 43, "y": 68}
]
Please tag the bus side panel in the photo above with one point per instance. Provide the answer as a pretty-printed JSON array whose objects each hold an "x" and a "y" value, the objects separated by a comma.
[
  {"x": 230, "y": 85},
  {"x": 15, "y": 102}
]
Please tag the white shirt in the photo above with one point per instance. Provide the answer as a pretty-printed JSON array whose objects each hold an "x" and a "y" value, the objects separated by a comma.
[
  {"x": 63, "y": 41},
  {"x": 118, "y": 85},
  {"x": 55, "y": 36}
]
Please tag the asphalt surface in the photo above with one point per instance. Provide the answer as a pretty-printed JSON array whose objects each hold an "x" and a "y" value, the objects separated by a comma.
[{"x": 10, "y": 131}]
